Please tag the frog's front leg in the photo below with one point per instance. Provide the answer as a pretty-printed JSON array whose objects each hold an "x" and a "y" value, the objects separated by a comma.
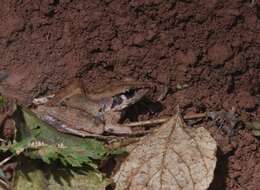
[
  {"x": 112, "y": 127},
  {"x": 122, "y": 130},
  {"x": 117, "y": 129}
]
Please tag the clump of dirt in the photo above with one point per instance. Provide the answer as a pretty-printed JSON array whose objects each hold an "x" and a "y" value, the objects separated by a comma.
[{"x": 209, "y": 47}]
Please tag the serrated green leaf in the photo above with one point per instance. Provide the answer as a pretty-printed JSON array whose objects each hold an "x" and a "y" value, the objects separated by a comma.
[
  {"x": 46, "y": 153},
  {"x": 18, "y": 148},
  {"x": 76, "y": 152}
]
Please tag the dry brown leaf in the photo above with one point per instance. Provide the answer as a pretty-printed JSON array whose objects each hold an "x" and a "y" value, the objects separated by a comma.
[{"x": 173, "y": 157}]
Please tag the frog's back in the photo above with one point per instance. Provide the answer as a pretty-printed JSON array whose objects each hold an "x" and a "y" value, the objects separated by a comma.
[{"x": 69, "y": 118}]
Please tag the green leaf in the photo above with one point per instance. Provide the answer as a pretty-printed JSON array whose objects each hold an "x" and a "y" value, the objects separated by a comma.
[
  {"x": 91, "y": 180},
  {"x": 30, "y": 177},
  {"x": 69, "y": 149},
  {"x": 17, "y": 148}
]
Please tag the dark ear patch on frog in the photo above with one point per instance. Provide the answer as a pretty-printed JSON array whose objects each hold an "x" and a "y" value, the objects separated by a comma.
[
  {"x": 128, "y": 98},
  {"x": 123, "y": 97},
  {"x": 116, "y": 89}
]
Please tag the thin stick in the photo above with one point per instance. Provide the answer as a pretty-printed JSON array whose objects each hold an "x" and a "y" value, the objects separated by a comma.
[
  {"x": 163, "y": 120},
  {"x": 5, "y": 183},
  {"x": 148, "y": 122},
  {"x": 195, "y": 116},
  {"x": 6, "y": 160}
]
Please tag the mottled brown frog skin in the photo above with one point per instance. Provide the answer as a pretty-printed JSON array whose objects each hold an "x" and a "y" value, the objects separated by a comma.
[{"x": 75, "y": 110}]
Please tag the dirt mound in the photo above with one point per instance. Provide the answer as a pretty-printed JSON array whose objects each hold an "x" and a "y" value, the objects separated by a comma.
[{"x": 208, "y": 49}]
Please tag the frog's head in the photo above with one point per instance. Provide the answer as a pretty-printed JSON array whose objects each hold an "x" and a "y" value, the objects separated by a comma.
[
  {"x": 117, "y": 97},
  {"x": 127, "y": 98}
]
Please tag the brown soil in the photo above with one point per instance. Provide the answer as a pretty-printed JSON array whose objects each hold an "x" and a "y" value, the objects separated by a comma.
[{"x": 210, "y": 46}]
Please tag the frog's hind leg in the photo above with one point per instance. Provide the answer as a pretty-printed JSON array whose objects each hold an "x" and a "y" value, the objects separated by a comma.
[{"x": 74, "y": 88}]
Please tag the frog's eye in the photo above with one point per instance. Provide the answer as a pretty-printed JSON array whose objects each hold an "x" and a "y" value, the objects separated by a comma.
[{"x": 130, "y": 93}]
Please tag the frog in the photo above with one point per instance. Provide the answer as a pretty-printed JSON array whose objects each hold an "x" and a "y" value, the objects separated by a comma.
[{"x": 79, "y": 111}]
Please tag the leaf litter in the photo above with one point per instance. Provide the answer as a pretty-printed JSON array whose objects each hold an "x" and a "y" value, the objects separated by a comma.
[
  {"x": 35, "y": 141},
  {"x": 173, "y": 157},
  {"x": 53, "y": 177}
]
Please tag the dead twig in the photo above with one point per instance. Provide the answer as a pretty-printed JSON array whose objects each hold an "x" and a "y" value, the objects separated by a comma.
[
  {"x": 163, "y": 120},
  {"x": 252, "y": 4},
  {"x": 5, "y": 183},
  {"x": 6, "y": 160}
]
